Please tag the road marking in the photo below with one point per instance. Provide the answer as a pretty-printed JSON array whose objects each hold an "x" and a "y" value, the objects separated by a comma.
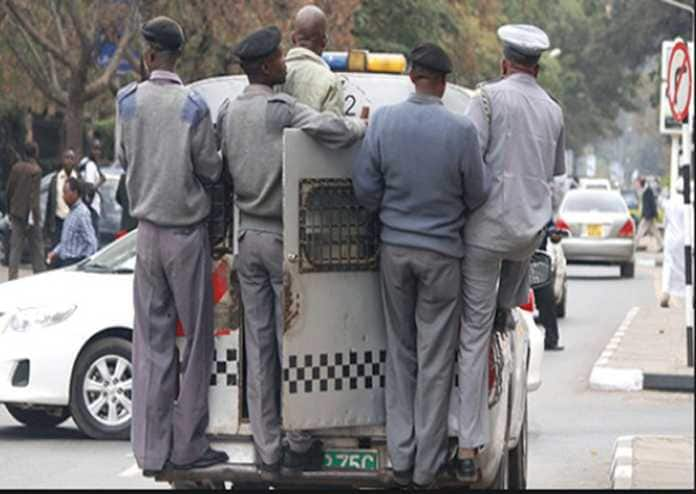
[
  {"x": 607, "y": 378},
  {"x": 132, "y": 471}
]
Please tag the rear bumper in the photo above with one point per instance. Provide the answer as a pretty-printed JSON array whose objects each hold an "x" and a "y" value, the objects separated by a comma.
[{"x": 599, "y": 251}]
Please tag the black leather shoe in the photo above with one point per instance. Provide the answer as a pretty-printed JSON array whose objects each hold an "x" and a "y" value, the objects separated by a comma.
[
  {"x": 467, "y": 470},
  {"x": 553, "y": 348},
  {"x": 310, "y": 460},
  {"x": 209, "y": 458},
  {"x": 402, "y": 478}
]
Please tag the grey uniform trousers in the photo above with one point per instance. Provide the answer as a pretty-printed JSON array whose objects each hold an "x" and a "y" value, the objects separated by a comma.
[
  {"x": 420, "y": 293},
  {"x": 172, "y": 280},
  {"x": 260, "y": 272},
  {"x": 21, "y": 231},
  {"x": 482, "y": 272}
]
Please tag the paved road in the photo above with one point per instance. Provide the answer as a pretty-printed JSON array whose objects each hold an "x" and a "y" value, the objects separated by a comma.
[{"x": 571, "y": 428}]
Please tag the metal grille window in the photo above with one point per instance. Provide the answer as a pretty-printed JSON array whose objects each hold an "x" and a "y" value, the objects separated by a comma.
[{"x": 336, "y": 233}]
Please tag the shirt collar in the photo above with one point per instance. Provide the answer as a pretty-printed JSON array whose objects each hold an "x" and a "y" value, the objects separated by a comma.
[
  {"x": 166, "y": 76},
  {"x": 76, "y": 204},
  {"x": 424, "y": 99},
  {"x": 522, "y": 77},
  {"x": 302, "y": 52},
  {"x": 258, "y": 89}
]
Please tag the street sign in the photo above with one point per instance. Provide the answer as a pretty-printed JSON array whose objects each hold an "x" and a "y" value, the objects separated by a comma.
[
  {"x": 679, "y": 81},
  {"x": 668, "y": 125}
]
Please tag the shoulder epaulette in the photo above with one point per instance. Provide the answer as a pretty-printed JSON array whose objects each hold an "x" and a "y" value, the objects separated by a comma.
[{"x": 126, "y": 91}]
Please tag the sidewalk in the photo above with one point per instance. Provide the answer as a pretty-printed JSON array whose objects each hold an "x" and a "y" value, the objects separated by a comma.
[
  {"x": 24, "y": 270},
  {"x": 653, "y": 462},
  {"x": 648, "y": 351}
]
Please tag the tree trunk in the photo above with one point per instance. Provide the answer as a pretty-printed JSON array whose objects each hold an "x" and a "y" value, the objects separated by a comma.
[{"x": 73, "y": 125}]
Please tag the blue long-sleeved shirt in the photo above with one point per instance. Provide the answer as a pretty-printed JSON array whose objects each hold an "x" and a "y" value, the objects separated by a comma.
[
  {"x": 77, "y": 238},
  {"x": 420, "y": 165}
]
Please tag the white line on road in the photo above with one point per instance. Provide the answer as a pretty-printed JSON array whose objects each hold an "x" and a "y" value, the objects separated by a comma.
[{"x": 608, "y": 379}]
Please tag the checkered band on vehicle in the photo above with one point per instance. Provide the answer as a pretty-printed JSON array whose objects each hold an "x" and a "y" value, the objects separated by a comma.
[
  {"x": 330, "y": 372},
  {"x": 225, "y": 368}
]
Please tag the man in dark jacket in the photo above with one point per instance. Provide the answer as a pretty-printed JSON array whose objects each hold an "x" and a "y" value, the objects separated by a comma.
[
  {"x": 23, "y": 191},
  {"x": 648, "y": 221}
]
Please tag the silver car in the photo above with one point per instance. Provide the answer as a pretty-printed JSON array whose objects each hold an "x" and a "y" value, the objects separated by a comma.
[{"x": 601, "y": 229}]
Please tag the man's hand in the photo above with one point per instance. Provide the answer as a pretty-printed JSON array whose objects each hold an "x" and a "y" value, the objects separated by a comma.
[{"x": 50, "y": 257}]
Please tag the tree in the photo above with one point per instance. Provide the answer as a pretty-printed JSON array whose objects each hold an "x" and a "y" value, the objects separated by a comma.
[{"x": 54, "y": 43}]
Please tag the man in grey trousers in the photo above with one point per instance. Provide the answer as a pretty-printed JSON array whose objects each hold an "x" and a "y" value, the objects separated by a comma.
[
  {"x": 420, "y": 166},
  {"x": 169, "y": 151},
  {"x": 251, "y": 133},
  {"x": 521, "y": 132}
]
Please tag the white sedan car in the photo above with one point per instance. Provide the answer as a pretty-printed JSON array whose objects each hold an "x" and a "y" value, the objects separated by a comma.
[{"x": 65, "y": 344}]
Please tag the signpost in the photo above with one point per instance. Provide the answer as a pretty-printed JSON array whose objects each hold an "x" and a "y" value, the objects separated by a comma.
[{"x": 679, "y": 95}]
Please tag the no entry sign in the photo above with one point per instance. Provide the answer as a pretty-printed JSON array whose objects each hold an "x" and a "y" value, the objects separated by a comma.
[{"x": 679, "y": 81}]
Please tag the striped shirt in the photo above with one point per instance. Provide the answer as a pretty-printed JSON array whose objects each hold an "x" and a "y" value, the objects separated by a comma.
[{"x": 77, "y": 238}]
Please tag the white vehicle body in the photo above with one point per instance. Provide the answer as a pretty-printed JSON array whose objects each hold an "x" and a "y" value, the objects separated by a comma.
[{"x": 595, "y": 183}]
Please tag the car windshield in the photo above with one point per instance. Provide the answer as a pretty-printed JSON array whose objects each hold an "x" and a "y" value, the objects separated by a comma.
[
  {"x": 600, "y": 202},
  {"x": 118, "y": 257}
]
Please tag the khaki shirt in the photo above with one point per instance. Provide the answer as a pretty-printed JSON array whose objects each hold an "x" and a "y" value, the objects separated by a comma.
[
  {"x": 523, "y": 146},
  {"x": 310, "y": 81},
  {"x": 62, "y": 209}
]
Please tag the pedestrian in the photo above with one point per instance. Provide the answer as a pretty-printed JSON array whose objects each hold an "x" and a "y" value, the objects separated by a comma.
[
  {"x": 23, "y": 194},
  {"x": 520, "y": 128},
  {"x": 545, "y": 297},
  {"x": 251, "y": 134},
  {"x": 90, "y": 173},
  {"x": 56, "y": 209},
  {"x": 648, "y": 220},
  {"x": 169, "y": 151},
  {"x": 128, "y": 223},
  {"x": 420, "y": 166},
  {"x": 673, "y": 271},
  {"x": 309, "y": 78},
  {"x": 78, "y": 240}
]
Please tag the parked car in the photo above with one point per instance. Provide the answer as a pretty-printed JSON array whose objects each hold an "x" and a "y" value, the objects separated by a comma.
[
  {"x": 595, "y": 184},
  {"x": 601, "y": 229},
  {"x": 109, "y": 223}
]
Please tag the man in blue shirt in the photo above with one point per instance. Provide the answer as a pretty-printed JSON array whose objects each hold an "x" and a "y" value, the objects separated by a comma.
[
  {"x": 77, "y": 239},
  {"x": 420, "y": 166}
]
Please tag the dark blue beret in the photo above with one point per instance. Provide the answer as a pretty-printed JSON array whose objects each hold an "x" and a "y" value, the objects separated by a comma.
[
  {"x": 258, "y": 44},
  {"x": 164, "y": 33},
  {"x": 431, "y": 56}
]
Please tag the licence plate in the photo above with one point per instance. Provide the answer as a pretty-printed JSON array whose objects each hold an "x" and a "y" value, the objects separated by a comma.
[
  {"x": 351, "y": 459},
  {"x": 594, "y": 231}
]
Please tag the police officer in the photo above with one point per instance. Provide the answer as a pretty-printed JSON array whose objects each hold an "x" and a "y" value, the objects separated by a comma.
[
  {"x": 169, "y": 151},
  {"x": 521, "y": 132},
  {"x": 251, "y": 135},
  {"x": 420, "y": 166}
]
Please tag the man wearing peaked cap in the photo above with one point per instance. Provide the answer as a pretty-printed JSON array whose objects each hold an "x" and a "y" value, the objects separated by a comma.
[
  {"x": 521, "y": 131},
  {"x": 167, "y": 145},
  {"x": 251, "y": 141},
  {"x": 420, "y": 167}
]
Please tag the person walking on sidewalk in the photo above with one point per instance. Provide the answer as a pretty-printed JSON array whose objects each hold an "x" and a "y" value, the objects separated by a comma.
[
  {"x": 309, "y": 78},
  {"x": 77, "y": 239},
  {"x": 648, "y": 221},
  {"x": 251, "y": 140},
  {"x": 169, "y": 151},
  {"x": 420, "y": 166},
  {"x": 521, "y": 131},
  {"x": 23, "y": 193}
]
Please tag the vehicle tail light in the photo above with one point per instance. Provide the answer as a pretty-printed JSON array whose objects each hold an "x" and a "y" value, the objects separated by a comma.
[
  {"x": 529, "y": 306},
  {"x": 120, "y": 234},
  {"x": 628, "y": 230},
  {"x": 561, "y": 224}
]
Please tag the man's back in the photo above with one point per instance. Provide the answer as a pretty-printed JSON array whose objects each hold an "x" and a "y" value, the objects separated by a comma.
[
  {"x": 523, "y": 146},
  {"x": 23, "y": 190},
  {"x": 169, "y": 151},
  {"x": 428, "y": 158},
  {"x": 649, "y": 204}
]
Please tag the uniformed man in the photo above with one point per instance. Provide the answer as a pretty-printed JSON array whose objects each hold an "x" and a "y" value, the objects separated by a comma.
[
  {"x": 309, "y": 77},
  {"x": 420, "y": 166},
  {"x": 520, "y": 128},
  {"x": 251, "y": 134},
  {"x": 169, "y": 151}
]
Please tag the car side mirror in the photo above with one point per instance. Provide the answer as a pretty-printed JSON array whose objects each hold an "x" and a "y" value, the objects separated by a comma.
[{"x": 540, "y": 270}]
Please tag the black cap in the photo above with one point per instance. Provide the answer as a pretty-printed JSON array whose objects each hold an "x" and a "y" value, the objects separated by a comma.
[
  {"x": 164, "y": 34},
  {"x": 431, "y": 56},
  {"x": 258, "y": 45}
]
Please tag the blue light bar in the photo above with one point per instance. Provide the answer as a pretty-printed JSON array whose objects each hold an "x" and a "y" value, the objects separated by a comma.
[{"x": 337, "y": 60}]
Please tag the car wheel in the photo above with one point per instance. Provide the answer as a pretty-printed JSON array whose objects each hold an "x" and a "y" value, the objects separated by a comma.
[
  {"x": 39, "y": 418},
  {"x": 628, "y": 270},
  {"x": 561, "y": 306},
  {"x": 101, "y": 389},
  {"x": 517, "y": 460}
]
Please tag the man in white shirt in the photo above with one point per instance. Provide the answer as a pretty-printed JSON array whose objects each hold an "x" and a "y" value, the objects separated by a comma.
[{"x": 56, "y": 208}]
